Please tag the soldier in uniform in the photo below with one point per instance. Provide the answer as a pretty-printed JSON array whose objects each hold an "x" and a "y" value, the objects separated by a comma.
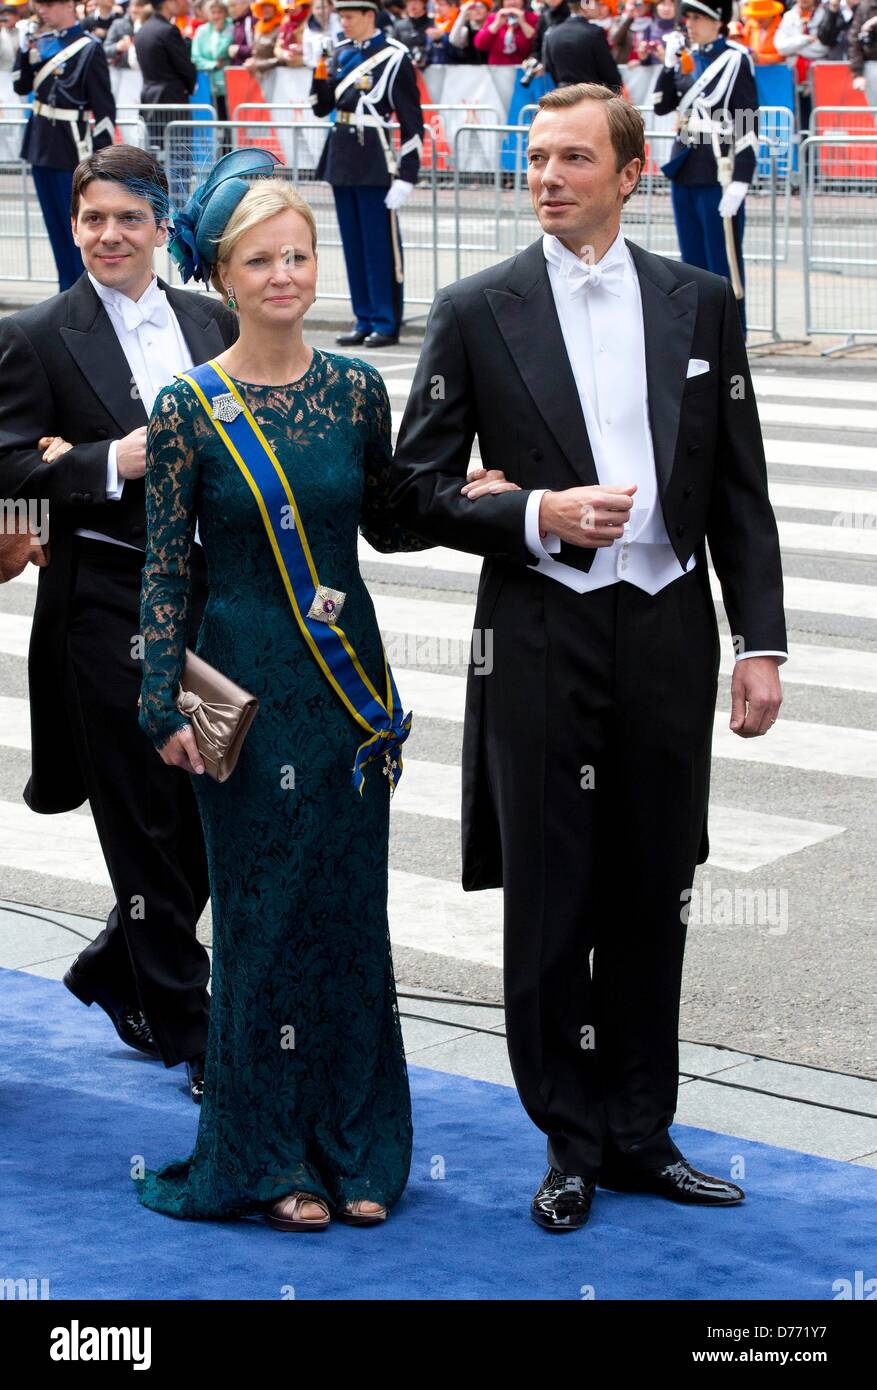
[
  {"x": 66, "y": 70},
  {"x": 369, "y": 77},
  {"x": 713, "y": 158}
]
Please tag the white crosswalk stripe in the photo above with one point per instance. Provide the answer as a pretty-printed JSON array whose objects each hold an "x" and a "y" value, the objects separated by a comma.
[
  {"x": 849, "y": 538},
  {"x": 741, "y": 840},
  {"x": 807, "y": 388},
  {"x": 847, "y": 417},
  {"x": 839, "y": 501},
  {"x": 811, "y": 595},
  {"x": 434, "y": 914},
  {"x": 803, "y": 453}
]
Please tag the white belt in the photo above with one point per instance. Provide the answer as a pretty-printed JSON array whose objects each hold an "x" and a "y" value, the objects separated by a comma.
[
  {"x": 351, "y": 118},
  {"x": 56, "y": 113}
]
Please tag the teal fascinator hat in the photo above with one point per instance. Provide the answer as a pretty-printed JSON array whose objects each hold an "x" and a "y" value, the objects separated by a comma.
[{"x": 198, "y": 227}]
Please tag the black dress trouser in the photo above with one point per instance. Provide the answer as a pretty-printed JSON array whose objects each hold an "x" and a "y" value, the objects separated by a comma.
[
  {"x": 144, "y": 812},
  {"x": 598, "y": 720}
]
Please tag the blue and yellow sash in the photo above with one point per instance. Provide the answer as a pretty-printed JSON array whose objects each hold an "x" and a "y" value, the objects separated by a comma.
[{"x": 381, "y": 719}]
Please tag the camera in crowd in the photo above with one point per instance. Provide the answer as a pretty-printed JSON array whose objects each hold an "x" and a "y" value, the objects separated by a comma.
[{"x": 529, "y": 68}]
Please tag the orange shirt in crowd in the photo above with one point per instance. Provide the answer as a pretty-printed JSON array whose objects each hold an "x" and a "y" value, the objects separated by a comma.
[{"x": 761, "y": 19}]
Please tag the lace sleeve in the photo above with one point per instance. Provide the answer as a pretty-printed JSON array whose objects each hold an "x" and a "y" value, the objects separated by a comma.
[
  {"x": 171, "y": 473},
  {"x": 377, "y": 523}
]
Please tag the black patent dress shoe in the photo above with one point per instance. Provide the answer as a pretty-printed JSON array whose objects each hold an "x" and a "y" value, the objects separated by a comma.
[
  {"x": 195, "y": 1074},
  {"x": 380, "y": 340},
  {"x": 678, "y": 1182},
  {"x": 563, "y": 1202},
  {"x": 127, "y": 1019},
  {"x": 351, "y": 339}
]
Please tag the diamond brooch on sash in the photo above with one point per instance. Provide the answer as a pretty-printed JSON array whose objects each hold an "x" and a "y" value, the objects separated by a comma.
[
  {"x": 327, "y": 604},
  {"x": 225, "y": 407}
]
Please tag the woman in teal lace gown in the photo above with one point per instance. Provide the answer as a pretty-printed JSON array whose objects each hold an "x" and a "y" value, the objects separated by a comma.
[{"x": 305, "y": 1083}]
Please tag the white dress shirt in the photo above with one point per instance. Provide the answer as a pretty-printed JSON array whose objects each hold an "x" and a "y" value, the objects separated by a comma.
[
  {"x": 600, "y": 313},
  {"x": 153, "y": 343}
]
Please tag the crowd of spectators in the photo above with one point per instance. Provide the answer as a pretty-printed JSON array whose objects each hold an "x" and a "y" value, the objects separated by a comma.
[{"x": 571, "y": 40}]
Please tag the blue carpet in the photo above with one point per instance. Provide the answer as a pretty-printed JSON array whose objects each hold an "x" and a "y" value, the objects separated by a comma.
[{"x": 78, "y": 1105}]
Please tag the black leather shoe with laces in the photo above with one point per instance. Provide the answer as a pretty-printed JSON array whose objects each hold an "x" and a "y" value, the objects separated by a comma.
[
  {"x": 678, "y": 1182},
  {"x": 563, "y": 1202}
]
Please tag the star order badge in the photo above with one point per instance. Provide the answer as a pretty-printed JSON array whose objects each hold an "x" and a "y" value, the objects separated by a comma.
[
  {"x": 225, "y": 407},
  {"x": 327, "y": 604}
]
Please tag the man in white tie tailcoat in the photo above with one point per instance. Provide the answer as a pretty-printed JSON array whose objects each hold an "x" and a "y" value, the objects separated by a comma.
[
  {"x": 82, "y": 369},
  {"x": 612, "y": 387}
]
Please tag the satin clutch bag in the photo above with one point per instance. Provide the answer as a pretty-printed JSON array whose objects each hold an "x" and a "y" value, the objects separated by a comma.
[{"x": 220, "y": 712}]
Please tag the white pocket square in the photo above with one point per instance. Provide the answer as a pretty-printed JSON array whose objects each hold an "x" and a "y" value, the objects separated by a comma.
[{"x": 696, "y": 366}]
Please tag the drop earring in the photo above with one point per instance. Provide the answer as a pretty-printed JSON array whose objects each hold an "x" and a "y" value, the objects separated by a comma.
[{"x": 231, "y": 301}]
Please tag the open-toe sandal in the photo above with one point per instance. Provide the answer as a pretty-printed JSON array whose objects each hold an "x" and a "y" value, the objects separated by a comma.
[
  {"x": 285, "y": 1215},
  {"x": 355, "y": 1216}
]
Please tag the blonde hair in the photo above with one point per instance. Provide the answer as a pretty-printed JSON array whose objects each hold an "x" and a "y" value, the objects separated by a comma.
[{"x": 265, "y": 199}]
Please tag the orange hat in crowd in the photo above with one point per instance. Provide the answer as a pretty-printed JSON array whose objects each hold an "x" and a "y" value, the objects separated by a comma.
[
  {"x": 761, "y": 9},
  {"x": 268, "y": 15}
]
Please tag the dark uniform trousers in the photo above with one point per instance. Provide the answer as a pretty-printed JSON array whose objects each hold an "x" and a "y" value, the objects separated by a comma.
[
  {"x": 366, "y": 239},
  {"x": 701, "y": 233},
  {"x": 629, "y": 684},
  {"x": 144, "y": 812}
]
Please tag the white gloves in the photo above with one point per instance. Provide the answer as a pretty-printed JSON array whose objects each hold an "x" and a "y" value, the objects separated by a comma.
[
  {"x": 732, "y": 198},
  {"x": 398, "y": 191},
  {"x": 673, "y": 46}
]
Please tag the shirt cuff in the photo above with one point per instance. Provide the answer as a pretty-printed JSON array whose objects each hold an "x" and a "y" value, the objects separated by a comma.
[
  {"x": 741, "y": 656},
  {"x": 532, "y": 538},
  {"x": 114, "y": 486}
]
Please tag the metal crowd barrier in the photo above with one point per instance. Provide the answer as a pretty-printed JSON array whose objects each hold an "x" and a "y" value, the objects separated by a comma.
[
  {"x": 129, "y": 112},
  {"x": 471, "y": 208},
  {"x": 839, "y": 203},
  {"x": 469, "y": 108},
  {"x": 492, "y": 216},
  {"x": 857, "y": 120},
  {"x": 25, "y": 253}
]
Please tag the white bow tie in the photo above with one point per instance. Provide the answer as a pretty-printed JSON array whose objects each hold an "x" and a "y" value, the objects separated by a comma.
[
  {"x": 580, "y": 275},
  {"x": 151, "y": 308}
]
